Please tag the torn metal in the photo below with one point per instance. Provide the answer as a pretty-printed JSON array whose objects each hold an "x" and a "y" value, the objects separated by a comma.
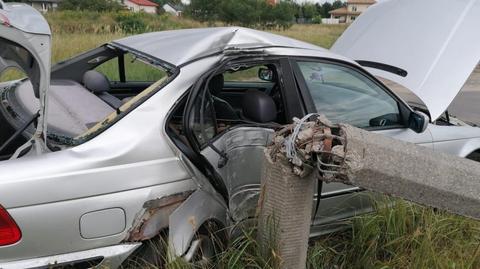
[{"x": 155, "y": 216}]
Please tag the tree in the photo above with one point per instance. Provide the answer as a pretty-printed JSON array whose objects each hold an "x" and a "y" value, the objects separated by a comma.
[
  {"x": 250, "y": 13},
  {"x": 326, "y": 8},
  {"x": 243, "y": 12},
  {"x": 204, "y": 10},
  {"x": 93, "y": 5},
  {"x": 284, "y": 14},
  {"x": 309, "y": 10},
  {"x": 338, "y": 4}
]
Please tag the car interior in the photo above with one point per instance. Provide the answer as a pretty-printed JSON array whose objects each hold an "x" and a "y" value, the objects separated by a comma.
[
  {"x": 84, "y": 92},
  {"x": 233, "y": 121}
]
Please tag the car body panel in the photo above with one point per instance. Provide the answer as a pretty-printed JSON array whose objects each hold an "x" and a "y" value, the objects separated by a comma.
[
  {"x": 59, "y": 223},
  {"x": 125, "y": 166},
  {"x": 456, "y": 140},
  {"x": 439, "y": 55},
  {"x": 182, "y": 46},
  {"x": 201, "y": 207},
  {"x": 24, "y": 18},
  {"x": 110, "y": 257}
]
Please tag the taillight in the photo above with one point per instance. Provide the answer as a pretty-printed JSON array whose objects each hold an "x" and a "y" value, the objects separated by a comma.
[
  {"x": 4, "y": 20},
  {"x": 9, "y": 231}
]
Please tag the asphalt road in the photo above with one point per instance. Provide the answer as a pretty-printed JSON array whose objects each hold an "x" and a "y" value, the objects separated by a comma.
[{"x": 466, "y": 105}]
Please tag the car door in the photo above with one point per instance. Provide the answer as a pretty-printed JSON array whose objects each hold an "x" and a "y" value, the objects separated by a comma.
[{"x": 347, "y": 94}]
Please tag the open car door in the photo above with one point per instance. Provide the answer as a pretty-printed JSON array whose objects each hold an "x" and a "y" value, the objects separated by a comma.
[{"x": 430, "y": 47}]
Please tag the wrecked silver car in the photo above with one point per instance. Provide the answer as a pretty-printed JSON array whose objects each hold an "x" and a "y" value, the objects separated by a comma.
[{"x": 96, "y": 165}]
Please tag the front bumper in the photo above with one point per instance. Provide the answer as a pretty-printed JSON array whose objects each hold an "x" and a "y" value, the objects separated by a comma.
[{"x": 108, "y": 257}]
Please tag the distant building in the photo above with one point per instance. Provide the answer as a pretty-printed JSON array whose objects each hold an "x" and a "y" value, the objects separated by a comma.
[
  {"x": 273, "y": 2},
  {"x": 176, "y": 10},
  {"x": 43, "y": 5},
  {"x": 349, "y": 13},
  {"x": 140, "y": 6}
]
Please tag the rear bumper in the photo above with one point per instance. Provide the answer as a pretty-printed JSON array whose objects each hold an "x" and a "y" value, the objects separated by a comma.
[{"x": 108, "y": 257}]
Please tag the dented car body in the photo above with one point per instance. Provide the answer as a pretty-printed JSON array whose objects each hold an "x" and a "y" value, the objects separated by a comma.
[{"x": 95, "y": 166}]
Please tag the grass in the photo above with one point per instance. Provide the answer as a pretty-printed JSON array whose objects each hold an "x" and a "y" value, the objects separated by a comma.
[{"x": 401, "y": 236}]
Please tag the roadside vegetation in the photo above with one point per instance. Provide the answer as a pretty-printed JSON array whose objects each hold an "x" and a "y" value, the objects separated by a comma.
[{"x": 400, "y": 236}]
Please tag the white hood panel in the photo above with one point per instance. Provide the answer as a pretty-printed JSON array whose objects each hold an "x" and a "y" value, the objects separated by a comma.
[{"x": 436, "y": 41}]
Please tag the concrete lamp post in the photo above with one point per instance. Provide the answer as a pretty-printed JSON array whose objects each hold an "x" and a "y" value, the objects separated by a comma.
[{"x": 313, "y": 148}]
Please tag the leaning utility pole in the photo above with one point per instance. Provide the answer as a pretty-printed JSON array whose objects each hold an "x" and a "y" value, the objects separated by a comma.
[{"x": 342, "y": 153}]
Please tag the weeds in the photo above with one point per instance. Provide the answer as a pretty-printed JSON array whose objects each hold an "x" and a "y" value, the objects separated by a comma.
[{"x": 402, "y": 235}]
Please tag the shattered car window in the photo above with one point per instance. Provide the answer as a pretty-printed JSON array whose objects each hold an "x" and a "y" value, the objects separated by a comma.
[
  {"x": 344, "y": 95},
  {"x": 12, "y": 73},
  {"x": 203, "y": 122},
  {"x": 111, "y": 118}
]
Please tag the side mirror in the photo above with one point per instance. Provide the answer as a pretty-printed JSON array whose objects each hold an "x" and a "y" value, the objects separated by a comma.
[
  {"x": 418, "y": 121},
  {"x": 265, "y": 74}
]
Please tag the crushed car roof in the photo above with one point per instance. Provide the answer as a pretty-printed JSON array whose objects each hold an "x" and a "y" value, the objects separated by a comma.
[
  {"x": 178, "y": 47},
  {"x": 24, "y": 18}
]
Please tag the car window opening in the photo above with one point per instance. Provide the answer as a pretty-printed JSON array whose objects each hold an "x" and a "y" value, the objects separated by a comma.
[
  {"x": 346, "y": 96},
  {"x": 240, "y": 95},
  {"x": 87, "y": 94}
]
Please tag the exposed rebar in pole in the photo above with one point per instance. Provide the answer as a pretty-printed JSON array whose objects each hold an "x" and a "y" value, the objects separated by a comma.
[{"x": 314, "y": 148}]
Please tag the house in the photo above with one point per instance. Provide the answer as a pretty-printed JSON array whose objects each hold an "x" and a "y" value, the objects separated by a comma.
[
  {"x": 176, "y": 10},
  {"x": 141, "y": 6},
  {"x": 273, "y": 2},
  {"x": 349, "y": 13},
  {"x": 43, "y": 5}
]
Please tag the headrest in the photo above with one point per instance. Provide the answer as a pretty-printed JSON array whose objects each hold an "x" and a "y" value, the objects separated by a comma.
[
  {"x": 216, "y": 84},
  {"x": 96, "y": 82},
  {"x": 259, "y": 107}
]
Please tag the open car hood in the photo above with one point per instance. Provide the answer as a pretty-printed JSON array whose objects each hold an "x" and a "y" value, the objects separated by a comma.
[
  {"x": 430, "y": 47},
  {"x": 25, "y": 43}
]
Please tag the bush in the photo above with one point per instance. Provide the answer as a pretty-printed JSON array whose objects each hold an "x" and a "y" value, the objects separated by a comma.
[
  {"x": 317, "y": 19},
  {"x": 131, "y": 23},
  {"x": 92, "y": 5}
]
